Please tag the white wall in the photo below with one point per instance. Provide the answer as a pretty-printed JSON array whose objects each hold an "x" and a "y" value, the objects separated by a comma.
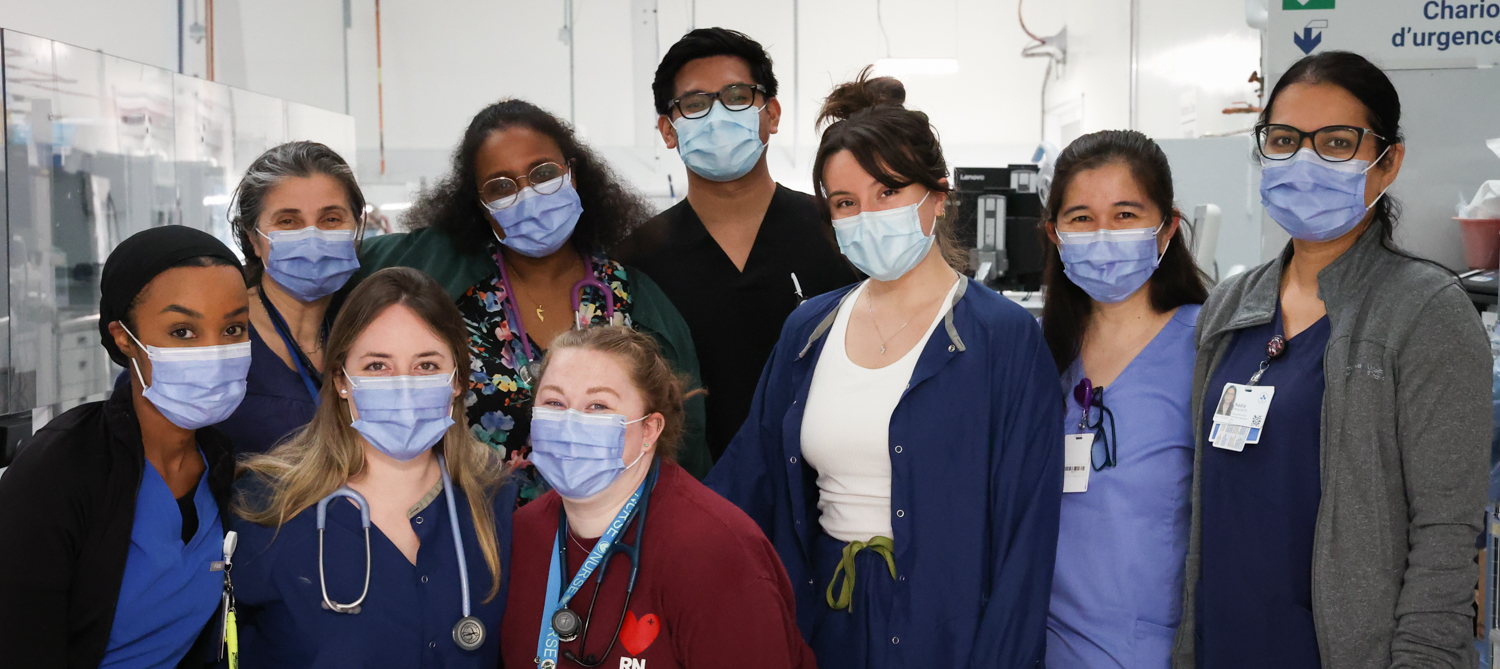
[
  {"x": 142, "y": 30},
  {"x": 442, "y": 62}
]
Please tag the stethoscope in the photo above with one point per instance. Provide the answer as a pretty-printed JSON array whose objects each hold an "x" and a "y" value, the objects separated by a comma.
[
  {"x": 566, "y": 623},
  {"x": 468, "y": 632},
  {"x": 529, "y": 370}
]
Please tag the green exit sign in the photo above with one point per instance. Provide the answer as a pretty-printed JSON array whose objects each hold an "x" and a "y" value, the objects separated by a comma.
[{"x": 1306, "y": 4}]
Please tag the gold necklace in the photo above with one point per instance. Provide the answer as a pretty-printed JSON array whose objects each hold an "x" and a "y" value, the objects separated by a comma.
[
  {"x": 875, "y": 322},
  {"x": 540, "y": 311}
]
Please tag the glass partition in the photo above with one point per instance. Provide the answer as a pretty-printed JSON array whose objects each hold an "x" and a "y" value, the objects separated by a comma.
[{"x": 98, "y": 148}]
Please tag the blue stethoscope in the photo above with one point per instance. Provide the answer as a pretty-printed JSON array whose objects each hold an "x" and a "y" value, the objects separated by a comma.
[{"x": 468, "y": 632}]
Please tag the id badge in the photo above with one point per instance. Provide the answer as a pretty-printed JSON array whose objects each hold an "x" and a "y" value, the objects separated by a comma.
[
  {"x": 1240, "y": 415},
  {"x": 1077, "y": 462}
]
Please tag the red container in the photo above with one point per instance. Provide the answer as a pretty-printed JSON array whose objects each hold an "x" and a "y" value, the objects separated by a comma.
[{"x": 1481, "y": 242}]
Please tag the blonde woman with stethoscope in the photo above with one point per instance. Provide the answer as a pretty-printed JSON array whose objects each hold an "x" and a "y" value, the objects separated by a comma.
[{"x": 379, "y": 535}]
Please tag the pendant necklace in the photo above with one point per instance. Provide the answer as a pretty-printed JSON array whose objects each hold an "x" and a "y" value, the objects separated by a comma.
[{"x": 883, "y": 339}]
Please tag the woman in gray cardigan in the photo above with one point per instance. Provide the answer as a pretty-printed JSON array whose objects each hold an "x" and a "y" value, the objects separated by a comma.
[{"x": 1336, "y": 503}]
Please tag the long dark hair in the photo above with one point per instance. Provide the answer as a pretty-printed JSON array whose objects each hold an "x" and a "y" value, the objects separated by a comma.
[
  {"x": 896, "y": 145},
  {"x": 452, "y": 206},
  {"x": 292, "y": 159},
  {"x": 1368, "y": 84},
  {"x": 1177, "y": 281}
]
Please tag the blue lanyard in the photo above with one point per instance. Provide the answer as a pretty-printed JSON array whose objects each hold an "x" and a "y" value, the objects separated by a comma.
[
  {"x": 547, "y": 642},
  {"x": 279, "y": 324}
]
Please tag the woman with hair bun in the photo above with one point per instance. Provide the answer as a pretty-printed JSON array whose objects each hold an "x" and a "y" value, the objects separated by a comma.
[{"x": 903, "y": 451}]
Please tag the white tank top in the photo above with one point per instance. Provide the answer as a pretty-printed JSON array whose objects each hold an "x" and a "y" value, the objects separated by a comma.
[{"x": 846, "y": 430}]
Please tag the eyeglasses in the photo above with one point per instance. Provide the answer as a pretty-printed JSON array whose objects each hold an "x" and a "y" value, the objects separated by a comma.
[
  {"x": 734, "y": 97},
  {"x": 1335, "y": 143},
  {"x": 500, "y": 192}
]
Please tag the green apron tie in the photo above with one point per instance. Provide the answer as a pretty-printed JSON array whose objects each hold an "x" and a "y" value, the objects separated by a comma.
[{"x": 885, "y": 546}]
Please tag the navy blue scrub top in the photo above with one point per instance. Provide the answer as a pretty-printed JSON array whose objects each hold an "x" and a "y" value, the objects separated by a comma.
[
  {"x": 408, "y": 617},
  {"x": 1259, "y": 510},
  {"x": 276, "y": 402}
]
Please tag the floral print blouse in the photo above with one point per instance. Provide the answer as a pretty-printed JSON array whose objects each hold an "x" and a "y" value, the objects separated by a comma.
[{"x": 499, "y": 397}]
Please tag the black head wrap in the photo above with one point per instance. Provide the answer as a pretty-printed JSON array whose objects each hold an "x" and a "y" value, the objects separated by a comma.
[{"x": 138, "y": 260}]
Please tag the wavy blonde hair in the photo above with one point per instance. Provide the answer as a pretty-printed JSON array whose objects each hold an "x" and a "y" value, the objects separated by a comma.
[{"x": 327, "y": 453}]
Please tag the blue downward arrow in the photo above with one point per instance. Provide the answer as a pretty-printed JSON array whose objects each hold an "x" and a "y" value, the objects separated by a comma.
[{"x": 1307, "y": 41}]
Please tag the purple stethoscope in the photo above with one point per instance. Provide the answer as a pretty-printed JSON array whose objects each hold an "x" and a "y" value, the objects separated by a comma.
[{"x": 529, "y": 369}]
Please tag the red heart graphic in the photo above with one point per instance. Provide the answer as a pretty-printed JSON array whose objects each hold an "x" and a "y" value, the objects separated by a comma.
[{"x": 637, "y": 634}]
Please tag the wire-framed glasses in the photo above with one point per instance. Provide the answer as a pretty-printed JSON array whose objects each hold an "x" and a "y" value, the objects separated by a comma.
[
  {"x": 734, "y": 97},
  {"x": 1334, "y": 143},
  {"x": 500, "y": 192}
]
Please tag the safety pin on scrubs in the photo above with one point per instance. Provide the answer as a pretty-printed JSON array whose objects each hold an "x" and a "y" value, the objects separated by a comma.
[{"x": 364, "y": 519}]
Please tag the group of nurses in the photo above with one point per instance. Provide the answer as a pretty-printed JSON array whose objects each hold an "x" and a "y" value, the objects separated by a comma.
[{"x": 1293, "y": 474}]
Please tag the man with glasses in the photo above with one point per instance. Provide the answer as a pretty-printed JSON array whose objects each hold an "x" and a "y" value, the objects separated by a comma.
[{"x": 741, "y": 251}]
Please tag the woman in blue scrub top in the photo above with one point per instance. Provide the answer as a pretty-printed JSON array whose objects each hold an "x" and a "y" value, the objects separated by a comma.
[
  {"x": 902, "y": 449},
  {"x": 1122, "y": 298},
  {"x": 298, "y": 217},
  {"x": 111, "y": 517},
  {"x": 1341, "y": 532},
  {"x": 435, "y": 535}
]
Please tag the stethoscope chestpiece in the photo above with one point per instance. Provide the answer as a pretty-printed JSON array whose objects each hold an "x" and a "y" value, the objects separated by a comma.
[
  {"x": 469, "y": 633},
  {"x": 567, "y": 624}
]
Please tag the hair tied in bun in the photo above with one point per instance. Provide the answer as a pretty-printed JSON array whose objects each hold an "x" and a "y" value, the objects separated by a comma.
[{"x": 865, "y": 92}]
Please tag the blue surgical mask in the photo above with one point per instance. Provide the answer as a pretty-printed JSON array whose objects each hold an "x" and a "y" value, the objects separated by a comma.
[
  {"x": 311, "y": 263},
  {"x": 402, "y": 416},
  {"x": 1315, "y": 200},
  {"x": 722, "y": 145},
  {"x": 884, "y": 244},
  {"x": 580, "y": 454},
  {"x": 537, "y": 225},
  {"x": 195, "y": 386},
  {"x": 1110, "y": 265}
]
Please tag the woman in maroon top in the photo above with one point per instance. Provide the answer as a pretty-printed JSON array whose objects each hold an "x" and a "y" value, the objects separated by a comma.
[{"x": 709, "y": 592}]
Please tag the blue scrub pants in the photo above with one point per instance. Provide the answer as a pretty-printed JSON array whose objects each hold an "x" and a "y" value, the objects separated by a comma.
[{"x": 856, "y": 637}]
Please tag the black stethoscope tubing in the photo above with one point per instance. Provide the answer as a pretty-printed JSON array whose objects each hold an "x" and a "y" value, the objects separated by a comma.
[{"x": 633, "y": 552}]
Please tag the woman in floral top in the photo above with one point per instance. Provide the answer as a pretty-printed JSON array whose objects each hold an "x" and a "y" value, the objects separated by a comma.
[{"x": 517, "y": 233}]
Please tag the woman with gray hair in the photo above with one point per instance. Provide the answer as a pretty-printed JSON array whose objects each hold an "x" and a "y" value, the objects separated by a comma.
[{"x": 298, "y": 216}]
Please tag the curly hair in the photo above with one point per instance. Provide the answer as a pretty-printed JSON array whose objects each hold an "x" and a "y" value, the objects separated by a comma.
[{"x": 610, "y": 208}]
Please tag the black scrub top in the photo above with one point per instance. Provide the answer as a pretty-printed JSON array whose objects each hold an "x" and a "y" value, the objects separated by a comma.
[
  {"x": 1260, "y": 507},
  {"x": 736, "y": 316}
]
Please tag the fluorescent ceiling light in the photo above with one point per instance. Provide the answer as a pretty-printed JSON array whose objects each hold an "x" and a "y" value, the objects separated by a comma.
[
  {"x": 216, "y": 200},
  {"x": 395, "y": 206},
  {"x": 897, "y": 67}
]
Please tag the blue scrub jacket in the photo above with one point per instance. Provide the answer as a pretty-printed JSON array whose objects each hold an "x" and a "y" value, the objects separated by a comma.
[{"x": 976, "y": 481}]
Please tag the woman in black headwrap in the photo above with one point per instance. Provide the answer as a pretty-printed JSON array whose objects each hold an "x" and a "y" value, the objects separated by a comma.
[{"x": 111, "y": 516}]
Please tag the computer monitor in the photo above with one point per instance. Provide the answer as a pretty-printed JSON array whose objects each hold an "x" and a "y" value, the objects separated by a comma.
[{"x": 999, "y": 223}]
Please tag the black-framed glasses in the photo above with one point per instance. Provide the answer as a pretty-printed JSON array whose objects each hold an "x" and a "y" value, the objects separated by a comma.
[
  {"x": 734, "y": 97},
  {"x": 500, "y": 192},
  {"x": 1334, "y": 143}
]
